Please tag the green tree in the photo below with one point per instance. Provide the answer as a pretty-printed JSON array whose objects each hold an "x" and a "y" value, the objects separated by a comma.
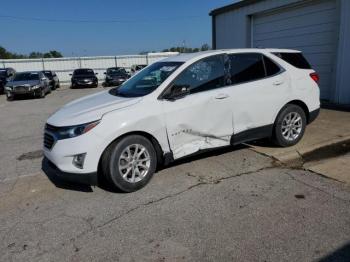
[{"x": 205, "y": 47}]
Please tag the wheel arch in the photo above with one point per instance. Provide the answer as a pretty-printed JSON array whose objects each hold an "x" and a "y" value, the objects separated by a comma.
[
  {"x": 298, "y": 103},
  {"x": 151, "y": 138}
]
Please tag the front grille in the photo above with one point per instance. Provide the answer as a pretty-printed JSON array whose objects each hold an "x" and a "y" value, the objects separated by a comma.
[
  {"x": 20, "y": 89},
  {"x": 49, "y": 140}
]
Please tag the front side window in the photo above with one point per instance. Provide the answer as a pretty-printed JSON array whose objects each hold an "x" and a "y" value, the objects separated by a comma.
[
  {"x": 147, "y": 80},
  {"x": 245, "y": 67},
  {"x": 203, "y": 75}
]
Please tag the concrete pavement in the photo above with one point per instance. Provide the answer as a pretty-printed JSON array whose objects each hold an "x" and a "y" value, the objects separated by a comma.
[{"x": 325, "y": 135}]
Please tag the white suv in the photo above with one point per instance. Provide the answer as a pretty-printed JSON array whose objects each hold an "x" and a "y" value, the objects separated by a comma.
[{"x": 179, "y": 106}]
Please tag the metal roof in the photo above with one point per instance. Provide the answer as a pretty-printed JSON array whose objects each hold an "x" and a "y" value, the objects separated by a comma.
[{"x": 231, "y": 7}]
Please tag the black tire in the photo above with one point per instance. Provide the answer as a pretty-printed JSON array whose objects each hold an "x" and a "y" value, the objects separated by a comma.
[
  {"x": 111, "y": 158},
  {"x": 278, "y": 136},
  {"x": 9, "y": 96},
  {"x": 53, "y": 87},
  {"x": 42, "y": 93}
]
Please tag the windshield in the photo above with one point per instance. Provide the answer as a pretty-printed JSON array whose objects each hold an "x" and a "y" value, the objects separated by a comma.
[
  {"x": 147, "y": 80},
  {"x": 84, "y": 72},
  {"x": 116, "y": 71},
  {"x": 26, "y": 76}
]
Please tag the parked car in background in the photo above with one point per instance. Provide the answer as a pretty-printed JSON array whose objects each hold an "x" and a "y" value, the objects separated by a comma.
[
  {"x": 179, "y": 106},
  {"x": 6, "y": 74},
  {"x": 28, "y": 83},
  {"x": 53, "y": 79},
  {"x": 115, "y": 76},
  {"x": 84, "y": 77},
  {"x": 135, "y": 68}
]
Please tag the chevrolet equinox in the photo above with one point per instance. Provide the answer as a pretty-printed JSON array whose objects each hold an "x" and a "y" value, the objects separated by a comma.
[{"x": 179, "y": 106}]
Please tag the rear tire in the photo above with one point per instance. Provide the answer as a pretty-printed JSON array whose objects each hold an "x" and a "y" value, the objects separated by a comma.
[
  {"x": 126, "y": 170},
  {"x": 289, "y": 126}
]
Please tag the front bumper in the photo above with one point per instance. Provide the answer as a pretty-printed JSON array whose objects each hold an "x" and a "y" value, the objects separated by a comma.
[
  {"x": 115, "y": 81},
  {"x": 88, "y": 178},
  {"x": 61, "y": 152},
  {"x": 24, "y": 92},
  {"x": 84, "y": 84}
]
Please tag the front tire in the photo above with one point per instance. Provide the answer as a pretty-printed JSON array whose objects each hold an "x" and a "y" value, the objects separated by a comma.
[
  {"x": 42, "y": 93},
  {"x": 10, "y": 96},
  {"x": 290, "y": 125},
  {"x": 129, "y": 163}
]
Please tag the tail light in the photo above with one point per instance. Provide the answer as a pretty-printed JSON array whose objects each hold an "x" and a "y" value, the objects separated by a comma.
[{"x": 315, "y": 77}]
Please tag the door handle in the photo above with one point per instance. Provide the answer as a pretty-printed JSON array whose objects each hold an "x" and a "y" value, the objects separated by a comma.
[
  {"x": 278, "y": 82},
  {"x": 222, "y": 96}
]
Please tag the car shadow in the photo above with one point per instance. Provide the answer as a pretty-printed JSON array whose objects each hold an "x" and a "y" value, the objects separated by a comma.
[
  {"x": 61, "y": 183},
  {"x": 341, "y": 254},
  {"x": 203, "y": 154},
  {"x": 106, "y": 186},
  {"x": 24, "y": 97},
  {"x": 264, "y": 142}
]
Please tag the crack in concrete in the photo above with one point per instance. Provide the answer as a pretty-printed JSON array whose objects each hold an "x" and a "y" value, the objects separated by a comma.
[
  {"x": 151, "y": 202},
  {"x": 314, "y": 187}
]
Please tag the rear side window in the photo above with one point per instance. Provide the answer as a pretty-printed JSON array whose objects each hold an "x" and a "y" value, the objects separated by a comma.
[
  {"x": 245, "y": 67},
  {"x": 295, "y": 59},
  {"x": 271, "y": 67}
]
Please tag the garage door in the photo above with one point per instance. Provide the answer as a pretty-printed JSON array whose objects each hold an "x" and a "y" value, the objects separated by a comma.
[{"x": 311, "y": 28}]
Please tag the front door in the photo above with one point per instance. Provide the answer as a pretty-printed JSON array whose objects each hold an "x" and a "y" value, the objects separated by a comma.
[{"x": 203, "y": 118}]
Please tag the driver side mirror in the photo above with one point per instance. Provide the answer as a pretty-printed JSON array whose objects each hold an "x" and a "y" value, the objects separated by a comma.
[{"x": 177, "y": 92}]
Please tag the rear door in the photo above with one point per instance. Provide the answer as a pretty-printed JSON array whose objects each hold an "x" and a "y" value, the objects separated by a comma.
[
  {"x": 203, "y": 118},
  {"x": 258, "y": 87}
]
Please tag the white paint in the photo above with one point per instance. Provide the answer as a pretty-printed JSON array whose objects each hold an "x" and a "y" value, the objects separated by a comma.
[{"x": 197, "y": 121}]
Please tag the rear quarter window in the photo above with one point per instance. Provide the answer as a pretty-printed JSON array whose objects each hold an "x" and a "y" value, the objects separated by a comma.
[{"x": 295, "y": 59}]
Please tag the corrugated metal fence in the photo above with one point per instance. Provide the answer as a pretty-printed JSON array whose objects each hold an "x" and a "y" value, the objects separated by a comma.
[{"x": 65, "y": 66}]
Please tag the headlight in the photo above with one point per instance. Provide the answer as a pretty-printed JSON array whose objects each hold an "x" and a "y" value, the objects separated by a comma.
[
  {"x": 8, "y": 88},
  {"x": 34, "y": 87},
  {"x": 73, "y": 131}
]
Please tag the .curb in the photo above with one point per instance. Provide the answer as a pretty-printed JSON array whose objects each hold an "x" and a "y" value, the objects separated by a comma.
[{"x": 298, "y": 157}]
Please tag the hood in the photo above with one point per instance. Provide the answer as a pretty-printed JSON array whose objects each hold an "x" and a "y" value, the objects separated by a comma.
[
  {"x": 90, "y": 108},
  {"x": 23, "y": 83}
]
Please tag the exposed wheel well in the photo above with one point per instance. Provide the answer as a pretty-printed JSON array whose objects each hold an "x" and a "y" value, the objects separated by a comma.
[{"x": 303, "y": 106}]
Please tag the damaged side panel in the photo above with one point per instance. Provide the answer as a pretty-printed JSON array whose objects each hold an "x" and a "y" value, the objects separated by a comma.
[{"x": 198, "y": 121}]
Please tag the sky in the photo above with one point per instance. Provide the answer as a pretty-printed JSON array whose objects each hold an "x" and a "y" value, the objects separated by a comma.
[{"x": 105, "y": 27}]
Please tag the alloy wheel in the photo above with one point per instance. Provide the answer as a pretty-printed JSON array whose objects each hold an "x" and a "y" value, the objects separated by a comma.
[
  {"x": 291, "y": 126},
  {"x": 134, "y": 163}
]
